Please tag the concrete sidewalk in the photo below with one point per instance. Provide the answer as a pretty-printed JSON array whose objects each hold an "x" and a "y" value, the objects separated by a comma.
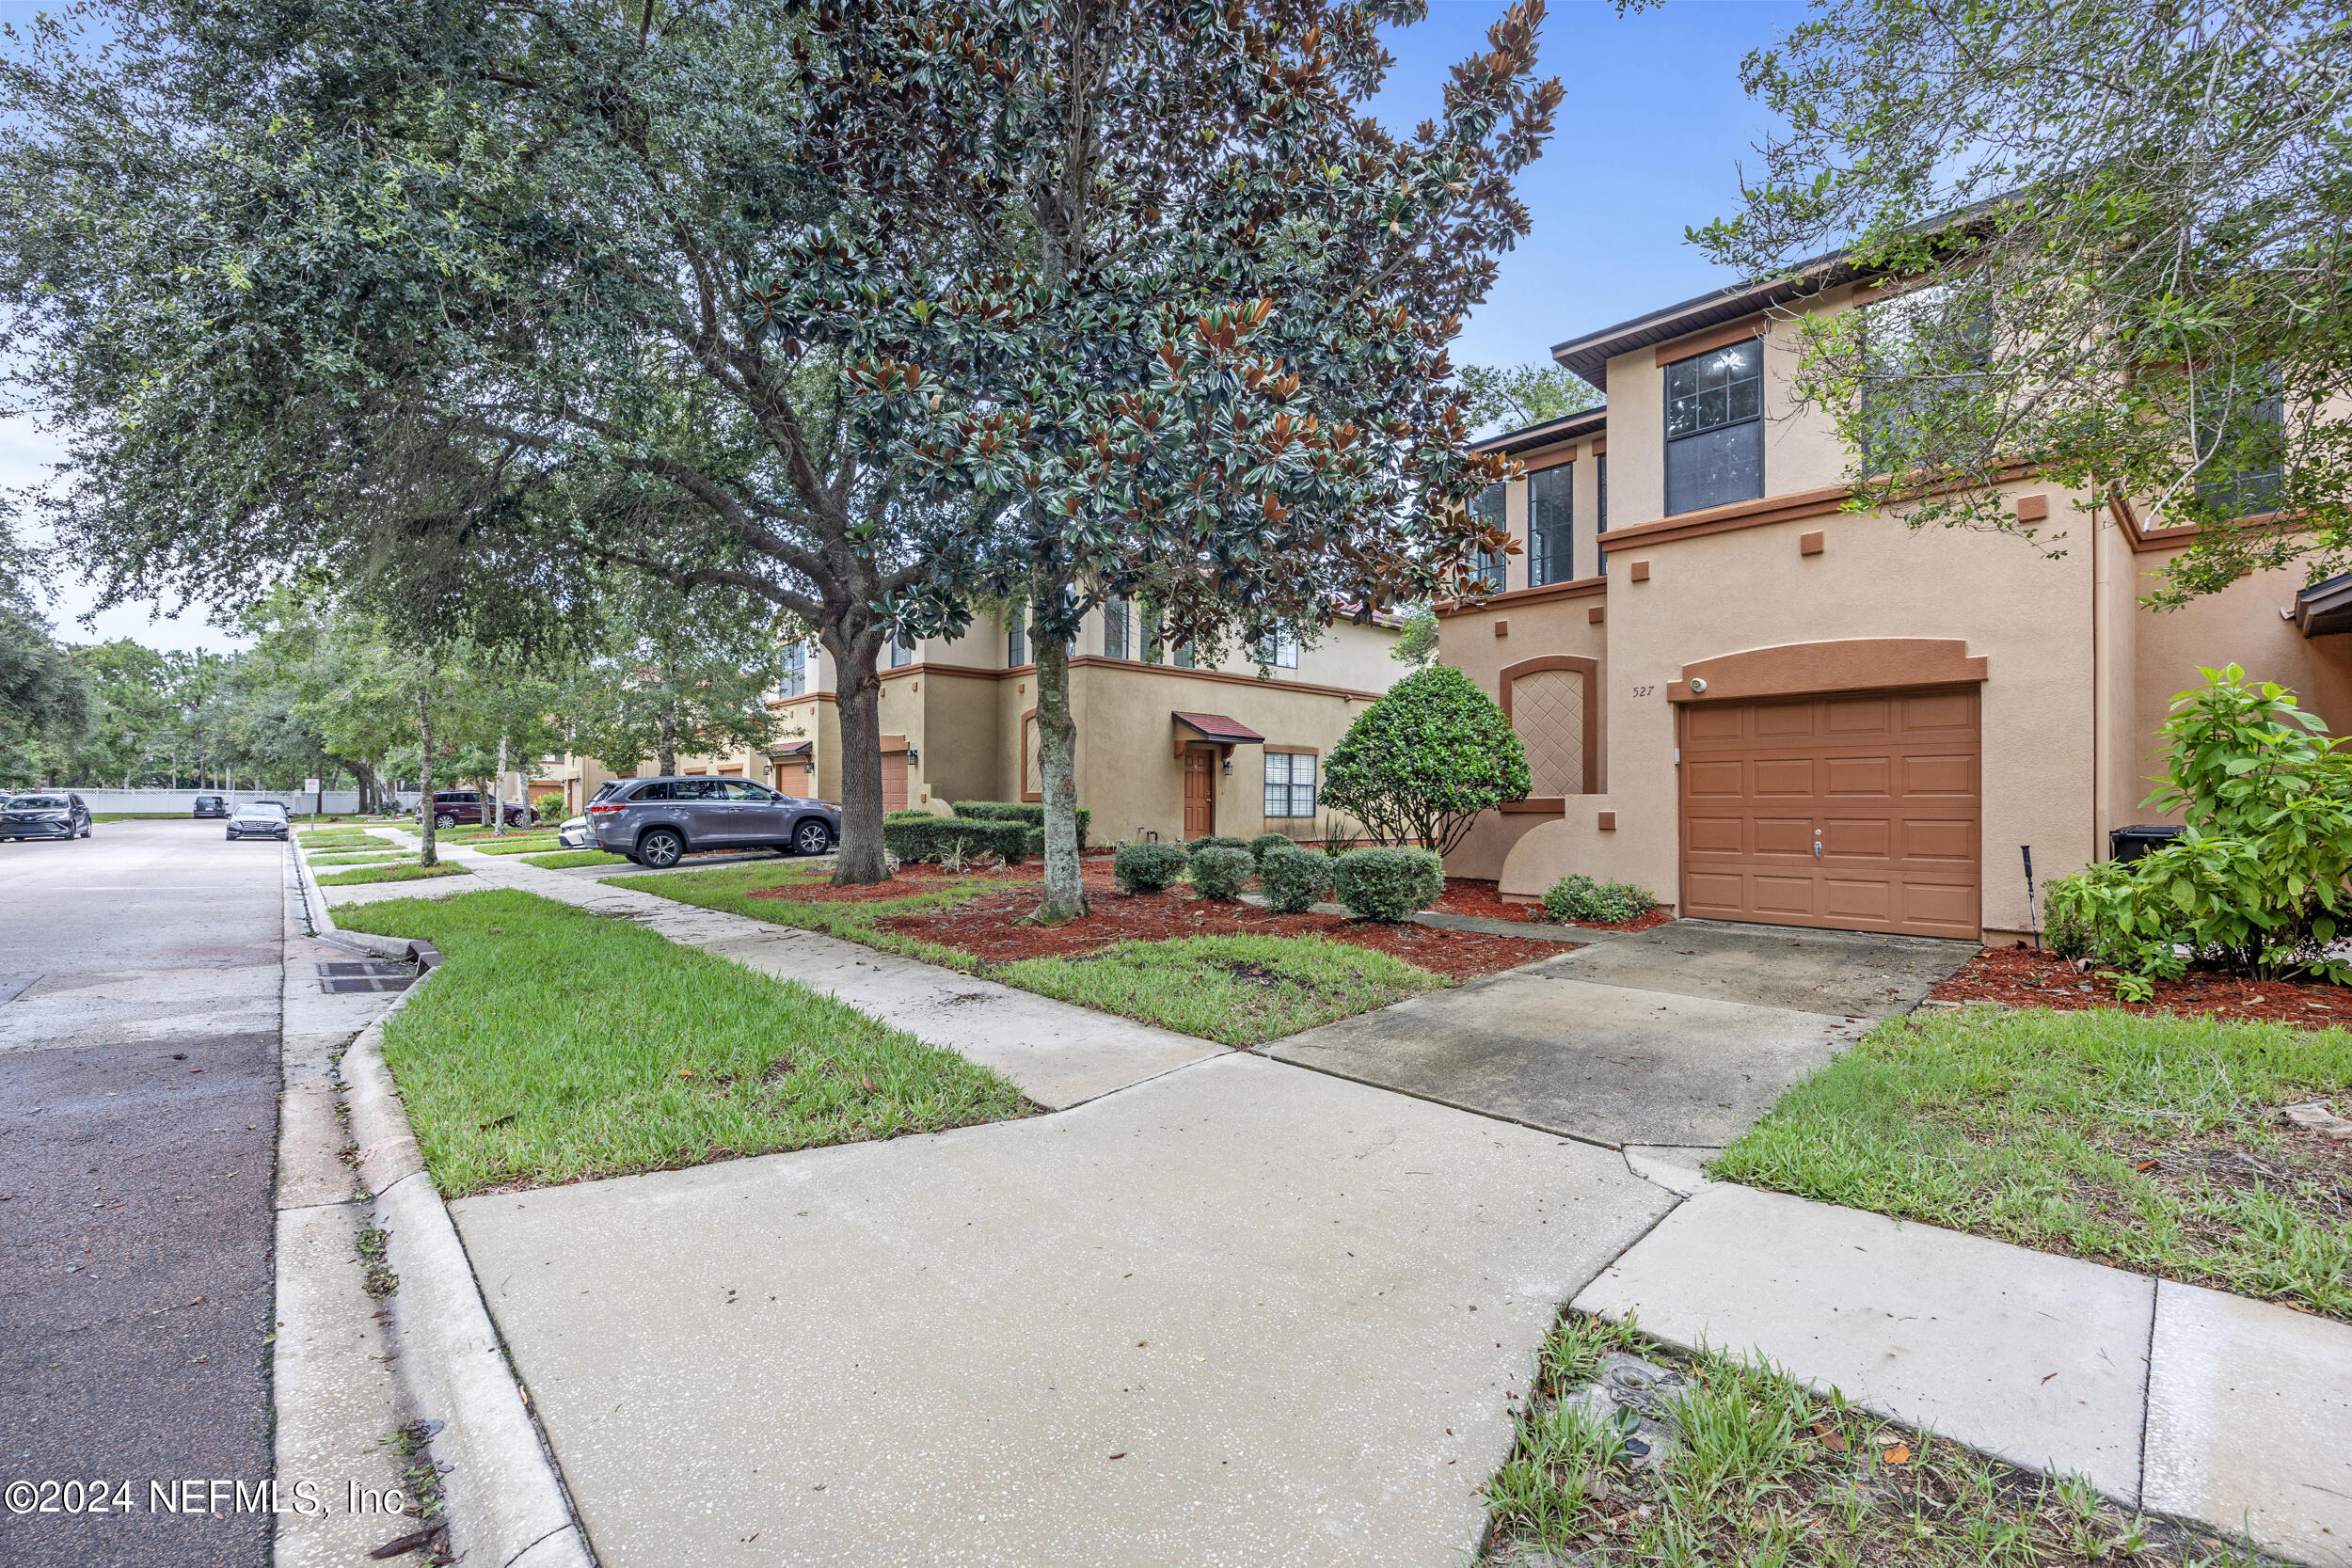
[
  {"x": 2210, "y": 1407},
  {"x": 1058, "y": 1054}
]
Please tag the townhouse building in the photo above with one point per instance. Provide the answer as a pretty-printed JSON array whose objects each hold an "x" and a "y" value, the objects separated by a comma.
[
  {"x": 1168, "y": 746},
  {"x": 1764, "y": 707}
]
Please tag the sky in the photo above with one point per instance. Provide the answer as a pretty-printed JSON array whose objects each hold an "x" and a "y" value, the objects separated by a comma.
[{"x": 1649, "y": 139}]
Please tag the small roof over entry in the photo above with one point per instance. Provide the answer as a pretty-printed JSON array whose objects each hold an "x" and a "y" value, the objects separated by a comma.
[
  {"x": 1223, "y": 733},
  {"x": 2325, "y": 608}
]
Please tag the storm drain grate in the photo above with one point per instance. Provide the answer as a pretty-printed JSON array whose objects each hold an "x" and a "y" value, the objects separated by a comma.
[{"x": 343, "y": 979}]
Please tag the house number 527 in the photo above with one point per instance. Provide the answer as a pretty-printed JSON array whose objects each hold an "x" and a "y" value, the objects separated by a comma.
[{"x": 1644, "y": 690}]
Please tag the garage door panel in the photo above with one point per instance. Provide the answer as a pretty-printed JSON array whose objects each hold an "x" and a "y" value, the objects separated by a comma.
[
  {"x": 1858, "y": 775},
  {"x": 1950, "y": 773},
  {"x": 1888, "y": 780},
  {"x": 1782, "y": 776}
]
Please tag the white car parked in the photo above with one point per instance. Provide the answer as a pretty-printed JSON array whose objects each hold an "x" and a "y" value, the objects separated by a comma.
[{"x": 261, "y": 819}]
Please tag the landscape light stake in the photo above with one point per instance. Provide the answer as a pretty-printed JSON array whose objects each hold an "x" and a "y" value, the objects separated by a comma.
[{"x": 2034, "y": 921}]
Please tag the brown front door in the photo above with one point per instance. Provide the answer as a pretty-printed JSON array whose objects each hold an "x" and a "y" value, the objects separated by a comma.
[
  {"x": 1200, "y": 791},
  {"x": 894, "y": 781},
  {"x": 1856, "y": 812}
]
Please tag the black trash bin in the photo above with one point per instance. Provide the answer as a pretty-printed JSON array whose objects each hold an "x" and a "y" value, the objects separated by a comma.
[{"x": 2129, "y": 844}]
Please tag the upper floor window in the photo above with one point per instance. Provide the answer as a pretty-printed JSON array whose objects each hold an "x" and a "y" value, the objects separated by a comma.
[
  {"x": 1016, "y": 641},
  {"x": 2241, "y": 447},
  {"x": 1715, "y": 427},
  {"x": 1181, "y": 656},
  {"x": 1278, "y": 649},
  {"x": 1492, "y": 566},
  {"x": 1115, "y": 628},
  {"x": 796, "y": 669},
  {"x": 1551, "y": 525},
  {"x": 901, "y": 652}
]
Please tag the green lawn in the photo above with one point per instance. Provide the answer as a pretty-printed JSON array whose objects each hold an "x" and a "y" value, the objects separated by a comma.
[
  {"x": 1761, "y": 1470},
  {"x": 517, "y": 844},
  {"x": 2147, "y": 1142},
  {"x": 361, "y": 857},
  {"x": 555, "y": 1045},
  {"x": 564, "y": 860},
  {"x": 1236, "y": 990},
  {"x": 406, "y": 872}
]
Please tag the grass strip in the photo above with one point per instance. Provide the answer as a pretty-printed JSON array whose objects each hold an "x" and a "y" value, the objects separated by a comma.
[
  {"x": 361, "y": 857},
  {"x": 1760, "y": 1470},
  {"x": 408, "y": 872},
  {"x": 554, "y": 1045},
  {"x": 1234, "y": 990},
  {"x": 565, "y": 860},
  {"x": 2149, "y": 1141},
  {"x": 518, "y": 846}
]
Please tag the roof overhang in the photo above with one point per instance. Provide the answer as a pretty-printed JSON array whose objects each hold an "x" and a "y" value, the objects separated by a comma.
[
  {"x": 2325, "y": 608},
  {"x": 1588, "y": 421},
  {"x": 1218, "y": 731}
]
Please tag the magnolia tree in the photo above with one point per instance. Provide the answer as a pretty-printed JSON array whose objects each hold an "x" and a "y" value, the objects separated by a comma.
[
  {"x": 1149, "y": 283},
  {"x": 2117, "y": 230}
]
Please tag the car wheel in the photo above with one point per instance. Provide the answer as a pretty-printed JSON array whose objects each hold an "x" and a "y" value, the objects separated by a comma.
[
  {"x": 661, "y": 848},
  {"x": 444, "y": 820},
  {"x": 812, "y": 838}
]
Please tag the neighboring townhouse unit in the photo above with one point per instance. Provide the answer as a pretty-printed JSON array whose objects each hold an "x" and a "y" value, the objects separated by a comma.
[
  {"x": 1166, "y": 747},
  {"x": 1764, "y": 709}
]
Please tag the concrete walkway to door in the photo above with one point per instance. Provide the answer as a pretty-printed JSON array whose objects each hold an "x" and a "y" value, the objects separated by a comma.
[{"x": 1678, "y": 1038}]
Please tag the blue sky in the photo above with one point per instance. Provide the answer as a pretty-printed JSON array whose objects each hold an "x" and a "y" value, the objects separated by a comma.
[{"x": 1650, "y": 137}]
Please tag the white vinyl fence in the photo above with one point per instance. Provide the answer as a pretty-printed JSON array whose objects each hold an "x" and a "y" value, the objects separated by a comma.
[{"x": 327, "y": 802}]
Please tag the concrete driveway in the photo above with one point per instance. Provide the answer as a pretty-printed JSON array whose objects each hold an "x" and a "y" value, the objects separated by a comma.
[{"x": 1677, "y": 1037}]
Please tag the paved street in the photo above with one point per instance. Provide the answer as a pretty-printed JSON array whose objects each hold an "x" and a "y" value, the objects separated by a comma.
[{"x": 139, "y": 1099}]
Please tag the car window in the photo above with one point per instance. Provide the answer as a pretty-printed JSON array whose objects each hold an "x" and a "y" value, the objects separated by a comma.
[
  {"x": 37, "y": 802},
  {"x": 659, "y": 791},
  {"x": 740, "y": 789}
]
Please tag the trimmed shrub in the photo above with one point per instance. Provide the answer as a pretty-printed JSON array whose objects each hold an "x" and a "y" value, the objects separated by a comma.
[
  {"x": 1295, "y": 878},
  {"x": 1147, "y": 867},
  {"x": 1264, "y": 842},
  {"x": 1582, "y": 900},
  {"x": 1028, "y": 813},
  {"x": 1421, "y": 764},
  {"x": 1215, "y": 841},
  {"x": 1218, "y": 871},
  {"x": 918, "y": 836},
  {"x": 1387, "y": 884}
]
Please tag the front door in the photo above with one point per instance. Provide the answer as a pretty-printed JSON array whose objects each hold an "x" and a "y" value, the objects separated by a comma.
[
  {"x": 1200, "y": 792},
  {"x": 894, "y": 765}
]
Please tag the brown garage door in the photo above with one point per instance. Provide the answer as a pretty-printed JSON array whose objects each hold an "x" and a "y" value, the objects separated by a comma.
[{"x": 1858, "y": 812}]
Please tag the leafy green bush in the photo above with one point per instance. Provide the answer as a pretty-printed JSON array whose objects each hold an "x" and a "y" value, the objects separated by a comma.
[
  {"x": 1219, "y": 870},
  {"x": 1583, "y": 900},
  {"x": 1030, "y": 814},
  {"x": 918, "y": 836},
  {"x": 2065, "y": 917},
  {"x": 1147, "y": 867},
  {"x": 1423, "y": 761},
  {"x": 1295, "y": 879},
  {"x": 2256, "y": 884},
  {"x": 1387, "y": 884},
  {"x": 1215, "y": 841},
  {"x": 1264, "y": 842}
]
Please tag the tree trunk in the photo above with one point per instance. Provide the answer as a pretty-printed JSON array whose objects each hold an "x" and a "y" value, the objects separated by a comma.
[
  {"x": 857, "y": 703},
  {"x": 1057, "y": 754},
  {"x": 431, "y": 854},
  {"x": 665, "y": 742},
  {"x": 498, "y": 806}
]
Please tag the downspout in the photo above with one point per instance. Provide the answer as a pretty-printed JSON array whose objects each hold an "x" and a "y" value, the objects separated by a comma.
[{"x": 2102, "y": 645}]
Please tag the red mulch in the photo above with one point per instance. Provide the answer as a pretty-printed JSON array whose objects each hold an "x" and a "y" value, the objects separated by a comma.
[
  {"x": 1475, "y": 895},
  {"x": 2025, "y": 977},
  {"x": 1094, "y": 870}
]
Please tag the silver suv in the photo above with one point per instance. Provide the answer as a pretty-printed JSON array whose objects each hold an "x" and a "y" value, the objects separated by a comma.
[{"x": 656, "y": 821}]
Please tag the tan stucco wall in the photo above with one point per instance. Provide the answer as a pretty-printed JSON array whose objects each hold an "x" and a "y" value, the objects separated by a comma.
[{"x": 1467, "y": 641}]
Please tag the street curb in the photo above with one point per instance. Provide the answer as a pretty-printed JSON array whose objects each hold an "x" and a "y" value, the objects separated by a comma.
[{"x": 503, "y": 1498}]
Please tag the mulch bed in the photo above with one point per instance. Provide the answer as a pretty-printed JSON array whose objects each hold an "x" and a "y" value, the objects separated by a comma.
[
  {"x": 2023, "y": 976},
  {"x": 1475, "y": 896}
]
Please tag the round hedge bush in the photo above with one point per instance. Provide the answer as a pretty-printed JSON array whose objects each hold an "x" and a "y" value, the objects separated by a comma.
[
  {"x": 1215, "y": 841},
  {"x": 1264, "y": 842},
  {"x": 1582, "y": 900},
  {"x": 1387, "y": 884},
  {"x": 1295, "y": 879},
  {"x": 1219, "y": 870},
  {"x": 1147, "y": 867}
]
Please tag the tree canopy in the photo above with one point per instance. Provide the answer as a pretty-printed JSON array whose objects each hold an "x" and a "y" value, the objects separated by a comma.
[
  {"x": 1512, "y": 397},
  {"x": 2126, "y": 228}
]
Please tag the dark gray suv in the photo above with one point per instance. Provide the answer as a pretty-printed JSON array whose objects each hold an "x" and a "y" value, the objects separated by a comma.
[{"x": 656, "y": 821}]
